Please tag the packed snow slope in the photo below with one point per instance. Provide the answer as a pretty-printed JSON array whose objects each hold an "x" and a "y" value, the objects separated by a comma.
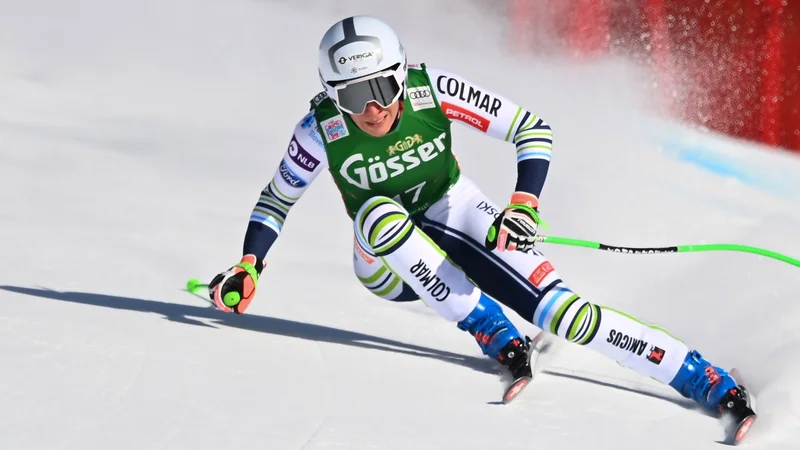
[{"x": 135, "y": 137}]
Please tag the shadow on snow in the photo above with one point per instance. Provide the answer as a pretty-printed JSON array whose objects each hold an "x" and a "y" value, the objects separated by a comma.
[
  {"x": 282, "y": 327},
  {"x": 187, "y": 314}
]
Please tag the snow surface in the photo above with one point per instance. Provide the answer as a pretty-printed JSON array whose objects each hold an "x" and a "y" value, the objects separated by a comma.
[{"x": 135, "y": 137}]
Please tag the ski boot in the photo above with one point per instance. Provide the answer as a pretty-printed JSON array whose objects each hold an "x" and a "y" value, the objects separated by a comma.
[
  {"x": 717, "y": 391},
  {"x": 499, "y": 339},
  {"x": 490, "y": 327}
]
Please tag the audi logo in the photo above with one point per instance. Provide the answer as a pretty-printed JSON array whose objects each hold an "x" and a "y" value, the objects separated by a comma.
[{"x": 416, "y": 95}]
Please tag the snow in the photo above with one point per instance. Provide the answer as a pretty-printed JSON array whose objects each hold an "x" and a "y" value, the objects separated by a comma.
[{"x": 135, "y": 138}]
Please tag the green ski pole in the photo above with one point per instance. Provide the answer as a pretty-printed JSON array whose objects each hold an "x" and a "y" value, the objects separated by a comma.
[
  {"x": 195, "y": 286},
  {"x": 674, "y": 249}
]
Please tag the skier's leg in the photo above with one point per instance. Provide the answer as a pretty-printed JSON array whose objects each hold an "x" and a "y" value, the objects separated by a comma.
[
  {"x": 386, "y": 233},
  {"x": 377, "y": 278},
  {"x": 529, "y": 284}
]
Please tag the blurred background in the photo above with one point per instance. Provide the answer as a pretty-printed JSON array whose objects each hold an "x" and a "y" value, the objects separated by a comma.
[{"x": 732, "y": 66}]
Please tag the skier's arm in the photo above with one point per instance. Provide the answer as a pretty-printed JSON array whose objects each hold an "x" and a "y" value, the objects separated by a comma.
[
  {"x": 303, "y": 161},
  {"x": 500, "y": 118},
  {"x": 234, "y": 289}
]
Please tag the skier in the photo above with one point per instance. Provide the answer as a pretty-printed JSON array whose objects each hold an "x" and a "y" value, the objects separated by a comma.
[{"x": 424, "y": 230}]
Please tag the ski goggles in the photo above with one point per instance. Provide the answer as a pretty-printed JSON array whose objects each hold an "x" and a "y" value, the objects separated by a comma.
[{"x": 353, "y": 96}]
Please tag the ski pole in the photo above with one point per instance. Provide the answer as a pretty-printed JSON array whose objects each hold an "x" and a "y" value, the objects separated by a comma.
[
  {"x": 673, "y": 249},
  {"x": 199, "y": 289},
  {"x": 195, "y": 286}
]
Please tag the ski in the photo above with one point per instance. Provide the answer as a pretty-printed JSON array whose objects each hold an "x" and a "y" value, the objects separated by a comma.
[
  {"x": 515, "y": 388},
  {"x": 524, "y": 375},
  {"x": 738, "y": 411}
]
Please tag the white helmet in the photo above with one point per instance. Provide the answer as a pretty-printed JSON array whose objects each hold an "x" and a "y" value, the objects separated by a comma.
[{"x": 362, "y": 60}]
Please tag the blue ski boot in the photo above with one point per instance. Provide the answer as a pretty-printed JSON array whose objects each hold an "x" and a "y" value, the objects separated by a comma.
[
  {"x": 699, "y": 380},
  {"x": 717, "y": 391},
  {"x": 497, "y": 337}
]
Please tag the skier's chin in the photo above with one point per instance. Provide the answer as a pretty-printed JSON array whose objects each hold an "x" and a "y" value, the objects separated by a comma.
[
  {"x": 376, "y": 129},
  {"x": 376, "y": 121}
]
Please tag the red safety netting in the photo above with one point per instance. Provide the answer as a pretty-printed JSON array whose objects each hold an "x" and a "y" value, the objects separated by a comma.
[{"x": 730, "y": 65}]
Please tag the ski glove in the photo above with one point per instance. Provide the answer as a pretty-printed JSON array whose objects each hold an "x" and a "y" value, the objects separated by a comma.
[
  {"x": 516, "y": 226},
  {"x": 234, "y": 289}
]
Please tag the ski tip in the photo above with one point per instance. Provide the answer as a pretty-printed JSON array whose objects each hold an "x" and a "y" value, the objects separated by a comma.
[
  {"x": 515, "y": 388},
  {"x": 741, "y": 431}
]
